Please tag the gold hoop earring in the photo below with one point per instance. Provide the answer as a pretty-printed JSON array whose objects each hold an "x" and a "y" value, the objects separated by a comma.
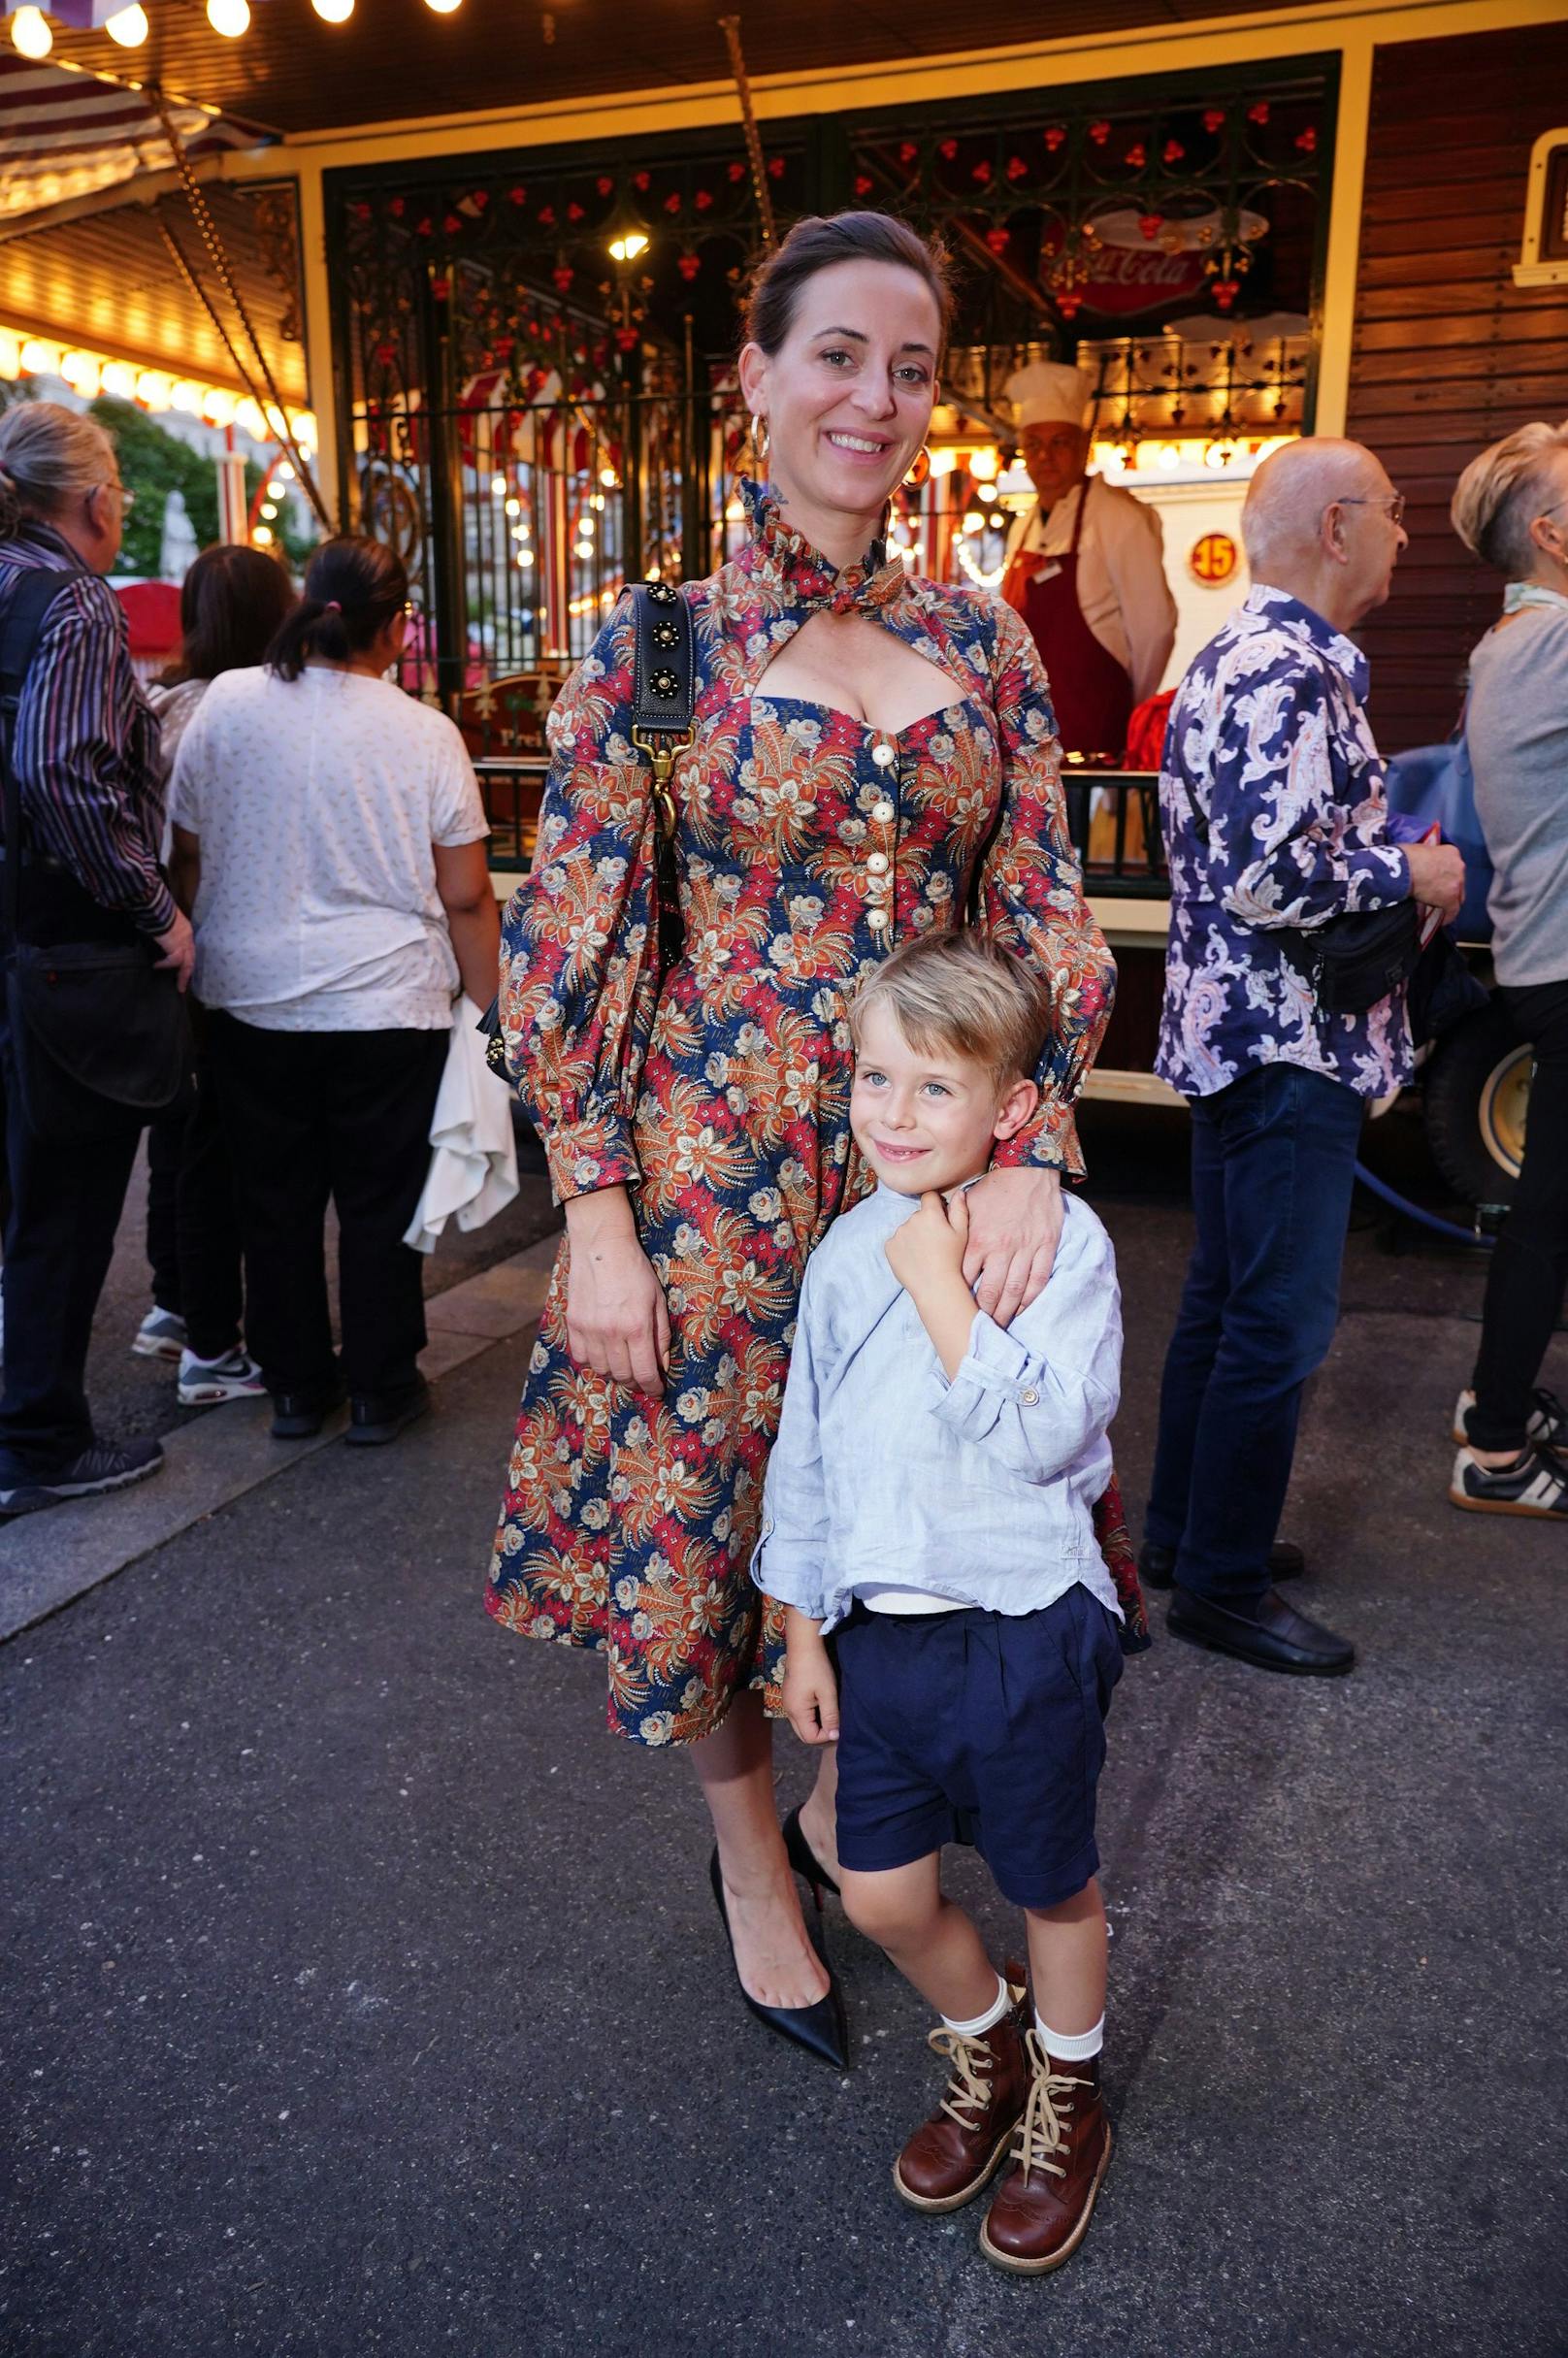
[
  {"x": 919, "y": 469},
  {"x": 761, "y": 443}
]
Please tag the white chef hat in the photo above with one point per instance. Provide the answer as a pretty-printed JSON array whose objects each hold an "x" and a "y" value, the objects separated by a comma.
[{"x": 1047, "y": 394}]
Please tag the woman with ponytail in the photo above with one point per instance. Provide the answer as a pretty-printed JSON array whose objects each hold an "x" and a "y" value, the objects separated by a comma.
[{"x": 329, "y": 842}]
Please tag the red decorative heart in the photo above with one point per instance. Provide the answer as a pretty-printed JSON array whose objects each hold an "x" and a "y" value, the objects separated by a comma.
[
  {"x": 672, "y": 201},
  {"x": 573, "y": 213},
  {"x": 1137, "y": 156},
  {"x": 997, "y": 240},
  {"x": 738, "y": 172},
  {"x": 689, "y": 265},
  {"x": 1225, "y": 291},
  {"x": 397, "y": 207},
  {"x": 948, "y": 150},
  {"x": 517, "y": 196},
  {"x": 547, "y": 216},
  {"x": 1258, "y": 113},
  {"x": 862, "y": 185},
  {"x": 605, "y": 185},
  {"x": 627, "y": 338},
  {"x": 639, "y": 179},
  {"x": 1069, "y": 306},
  {"x": 1174, "y": 151},
  {"x": 1016, "y": 167},
  {"x": 1056, "y": 134},
  {"x": 775, "y": 167},
  {"x": 704, "y": 200},
  {"x": 1099, "y": 133},
  {"x": 563, "y": 276},
  {"x": 440, "y": 289},
  {"x": 909, "y": 152},
  {"x": 1214, "y": 121},
  {"x": 982, "y": 173},
  {"x": 1307, "y": 141}
]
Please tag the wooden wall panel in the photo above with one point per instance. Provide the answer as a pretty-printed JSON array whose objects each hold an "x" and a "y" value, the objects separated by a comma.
[{"x": 1449, "y": 352}]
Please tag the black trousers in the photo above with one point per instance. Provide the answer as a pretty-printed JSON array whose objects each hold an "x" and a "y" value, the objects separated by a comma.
[
  {"x": 192, "y": 1215},
  {"x": 1529, "y": 1263},
  {"x": 64, "y": 1208},
  {"x": 344, "y": 1117}
]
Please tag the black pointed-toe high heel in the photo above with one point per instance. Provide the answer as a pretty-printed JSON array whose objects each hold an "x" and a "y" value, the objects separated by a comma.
[
  {"x": 822, "y": 2029},
  {"x": 805, "y": 1861}
]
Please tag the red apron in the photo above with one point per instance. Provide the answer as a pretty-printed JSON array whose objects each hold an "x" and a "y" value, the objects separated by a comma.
[{"x": 1091, "y": 694}]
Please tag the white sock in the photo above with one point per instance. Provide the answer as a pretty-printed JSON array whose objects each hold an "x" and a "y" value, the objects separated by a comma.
[
  {"x": 987, "y": 2020},
  {"x": 1079, "y": 2047}
]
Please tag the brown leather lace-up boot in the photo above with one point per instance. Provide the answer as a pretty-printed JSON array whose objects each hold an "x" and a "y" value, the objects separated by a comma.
[
  {"x": 951, "y": 2155},
  {"x": 1041, "y": 2210}
]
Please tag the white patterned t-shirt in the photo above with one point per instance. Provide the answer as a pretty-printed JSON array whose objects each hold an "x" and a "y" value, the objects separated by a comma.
[{"x": 316, "y": 803}]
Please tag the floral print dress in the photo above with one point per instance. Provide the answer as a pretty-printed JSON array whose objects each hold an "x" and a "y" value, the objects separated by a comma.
[{"x": 809, "y": 843}]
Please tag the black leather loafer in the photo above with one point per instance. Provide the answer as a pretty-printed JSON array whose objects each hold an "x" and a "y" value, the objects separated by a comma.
[
  {"x": 376, "y": 1418},
  {"x": 1269, "y": 1634},
  {"x": 1157, "y": 1565}
]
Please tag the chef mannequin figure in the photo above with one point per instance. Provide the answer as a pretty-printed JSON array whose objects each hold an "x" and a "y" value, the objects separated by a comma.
[{"x": 1085, "y": 569}]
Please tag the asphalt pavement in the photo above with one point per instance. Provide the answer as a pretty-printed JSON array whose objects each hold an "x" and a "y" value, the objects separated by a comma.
[{"x": 364, "y": 1995}]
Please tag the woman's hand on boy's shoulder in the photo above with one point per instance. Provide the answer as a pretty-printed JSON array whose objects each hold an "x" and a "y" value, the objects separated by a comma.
[{"x": 932, "y": 1242}]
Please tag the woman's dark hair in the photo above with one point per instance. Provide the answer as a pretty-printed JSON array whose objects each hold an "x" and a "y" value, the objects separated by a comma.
[
  {"x": 353, "y": 588},
  {"x": 819, "y": 241},
  {"x": 232, "y": 604}
]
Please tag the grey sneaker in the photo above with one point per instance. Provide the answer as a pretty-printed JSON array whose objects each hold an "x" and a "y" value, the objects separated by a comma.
[
  {"x": 102, "y": 1467},
  {"x": 161, "y": 1335},
  {"x": 1535, "y": 1482},
  {"x": 236, "y": 1376}
]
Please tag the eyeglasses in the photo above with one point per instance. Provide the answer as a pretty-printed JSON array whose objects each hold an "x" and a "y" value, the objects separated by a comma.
[
  {"x": 128, "y": 499},
  {"x": 1392, "y": 503}
]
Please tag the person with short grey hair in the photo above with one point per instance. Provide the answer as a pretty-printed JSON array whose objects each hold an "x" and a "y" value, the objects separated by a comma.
[
  {"x": 1275, "y": 820},
  {"x": 1511, "y": 508},
  {"x": 83, "y": 819}
]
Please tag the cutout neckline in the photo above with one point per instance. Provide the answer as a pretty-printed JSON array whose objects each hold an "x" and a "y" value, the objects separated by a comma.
[{"x": 812, "y": 703}]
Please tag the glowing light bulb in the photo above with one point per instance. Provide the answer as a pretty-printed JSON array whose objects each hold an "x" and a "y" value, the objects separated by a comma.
[
  {"x": 583, "y": 550},
  {"x": 628, "y": 248},
  {"x": 29, "y": 30},
  {"x": 268, "y": 510},
  {"x": 334, "y": 11},
  {"x": 129, "y": 27},
  {"x": 262, "y": 537},
  {"x": 444, "y": 7},
  {"x": 498, "y": 487},
  {"x": 230, "y": 18}
]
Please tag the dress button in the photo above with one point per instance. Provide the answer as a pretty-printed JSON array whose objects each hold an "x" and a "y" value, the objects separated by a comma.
[
  {"x": 1029, "y": 1399},
  {"x": 877, "y": 918},
  {"x": 877, "y": 863},
  {"x": 882, "y": 755},
  {"x": 882, "y": 813}
]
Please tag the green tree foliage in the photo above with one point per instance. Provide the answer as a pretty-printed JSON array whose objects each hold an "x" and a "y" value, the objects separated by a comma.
[{"x": 154, "y": 461}]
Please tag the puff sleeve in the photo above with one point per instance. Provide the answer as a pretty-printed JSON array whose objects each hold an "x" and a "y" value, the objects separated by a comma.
[
  {"x": 1031, "y": 897},
  {"x": 578, "y": 982}
]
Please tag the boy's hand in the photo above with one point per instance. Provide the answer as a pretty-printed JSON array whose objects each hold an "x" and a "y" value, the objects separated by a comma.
[
  {"x": 931, "y": 1243},
  {"x": 811, "y": 1690}
]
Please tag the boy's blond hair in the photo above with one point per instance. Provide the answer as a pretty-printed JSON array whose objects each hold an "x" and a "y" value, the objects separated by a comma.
[{"x": 958, "y": 995}]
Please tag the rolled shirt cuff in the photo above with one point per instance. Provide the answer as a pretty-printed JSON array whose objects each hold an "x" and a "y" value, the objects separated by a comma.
[{"x": 992, "y": 1374}]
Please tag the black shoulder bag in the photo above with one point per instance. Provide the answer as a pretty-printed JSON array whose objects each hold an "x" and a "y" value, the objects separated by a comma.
[
  {"x": 662, "y": 700},
  {"x": 1354, "y": 960},
  {"x": 97, "y": 1032}
]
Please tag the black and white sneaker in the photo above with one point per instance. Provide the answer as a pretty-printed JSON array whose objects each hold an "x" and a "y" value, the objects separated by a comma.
[
  {"x": 234, "y": 1376},
  {"x": 1547, "y": 1428},
  {"x": 102, "y": 1467},
  {"x": 1535, "y": 1482}
]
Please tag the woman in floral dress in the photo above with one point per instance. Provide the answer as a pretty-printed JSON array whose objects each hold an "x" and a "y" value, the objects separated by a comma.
[{"x": 864, "y": 741}]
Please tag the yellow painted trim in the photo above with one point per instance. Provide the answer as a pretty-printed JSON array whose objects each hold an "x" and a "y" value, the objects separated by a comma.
[
  {"x": 316, "y": 295},
  {"x": 1330, "y": 25},
  {"x": 1342, "y": 267}
]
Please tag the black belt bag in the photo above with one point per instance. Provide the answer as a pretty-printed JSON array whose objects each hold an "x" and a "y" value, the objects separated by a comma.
[
  {"x": 98, "y": 1034},
  {"x": 1353, "y": 962}
]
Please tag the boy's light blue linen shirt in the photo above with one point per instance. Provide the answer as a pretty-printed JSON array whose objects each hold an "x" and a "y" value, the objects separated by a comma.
[{"x": 981, "y": 1490}]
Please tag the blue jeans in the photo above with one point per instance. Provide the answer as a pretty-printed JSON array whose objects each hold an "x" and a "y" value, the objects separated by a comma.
[{"x": 1273, "y": 1165}]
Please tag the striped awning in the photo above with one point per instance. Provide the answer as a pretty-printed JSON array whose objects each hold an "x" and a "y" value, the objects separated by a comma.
[{"x": 65, "y": 135}]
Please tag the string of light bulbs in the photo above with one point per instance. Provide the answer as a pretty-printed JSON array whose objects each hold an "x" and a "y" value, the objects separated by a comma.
[{"x": 33, "y": 34}]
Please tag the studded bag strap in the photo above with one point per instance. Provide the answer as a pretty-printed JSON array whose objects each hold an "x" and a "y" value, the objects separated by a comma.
[{"x": 663, "y": 699}]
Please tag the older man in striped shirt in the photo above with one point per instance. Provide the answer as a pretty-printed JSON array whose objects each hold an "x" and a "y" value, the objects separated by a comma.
[{"x": 87, "y": 791}]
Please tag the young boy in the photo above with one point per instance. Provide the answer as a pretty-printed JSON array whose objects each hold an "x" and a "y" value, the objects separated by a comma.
[{"x": 929, "y": 1501}]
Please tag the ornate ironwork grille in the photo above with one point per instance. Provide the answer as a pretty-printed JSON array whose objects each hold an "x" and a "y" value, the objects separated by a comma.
[{"x": 536, "y": 348}]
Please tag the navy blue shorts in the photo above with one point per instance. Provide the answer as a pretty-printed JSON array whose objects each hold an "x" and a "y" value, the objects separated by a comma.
[{"x": 980, "y": 1728}]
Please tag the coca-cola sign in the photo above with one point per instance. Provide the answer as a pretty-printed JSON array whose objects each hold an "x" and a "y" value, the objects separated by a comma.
[{"x": 1143, "y": 262}]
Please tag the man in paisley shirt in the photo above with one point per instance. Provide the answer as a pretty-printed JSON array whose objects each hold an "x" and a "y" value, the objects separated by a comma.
[{"x": 1273, "y": 808}]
